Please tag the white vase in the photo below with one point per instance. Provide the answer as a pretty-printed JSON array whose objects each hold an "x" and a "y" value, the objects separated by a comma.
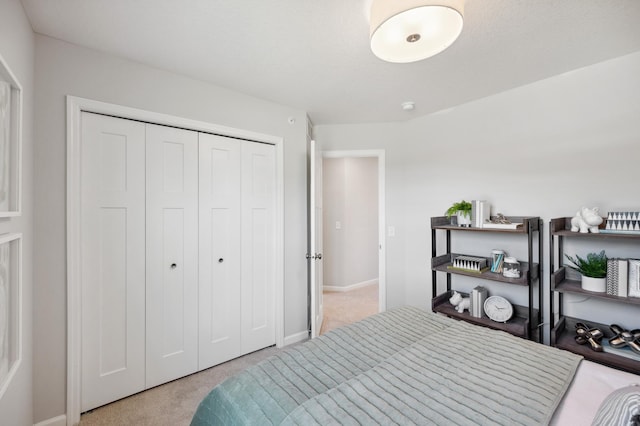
[
  {"x": 598, "y": 285},
  {"x": 463, "y": 220}
]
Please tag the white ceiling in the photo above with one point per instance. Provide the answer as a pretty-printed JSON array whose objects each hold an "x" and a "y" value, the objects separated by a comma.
[{"x": 314, "y": 55}]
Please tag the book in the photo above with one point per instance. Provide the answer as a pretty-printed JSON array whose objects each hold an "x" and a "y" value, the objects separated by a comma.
[
  {"x": 624, "y": 351},
  {"x": 480, "y": 211},
  {"x": 617, "y": 277},
  {"x": 612, "y": 277},
  {"x": 623, "y": 281},
  {"x": 477, "y": 297},
  {"x": 633, "y": 278},
  {"x": 477, "y": 271},
  {"x": 489, "y": 225}
]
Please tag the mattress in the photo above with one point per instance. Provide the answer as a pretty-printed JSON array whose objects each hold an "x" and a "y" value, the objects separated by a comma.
[
  {"x": 402, "y": 366},
  {"x": 591, "y": 385}
]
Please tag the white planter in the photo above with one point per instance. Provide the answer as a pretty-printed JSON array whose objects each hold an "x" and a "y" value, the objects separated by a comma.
[
  {"x": 463, "y": 220},
  {"x": 598, "y": 285}
]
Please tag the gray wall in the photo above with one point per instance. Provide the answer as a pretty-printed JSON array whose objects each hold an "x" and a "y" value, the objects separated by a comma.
[
  {"x": 544, "y": 149},
  {"x": 17, "y": 49},
  {"x": 350, "y": 196},
  {"x": 64, "y": 69}
]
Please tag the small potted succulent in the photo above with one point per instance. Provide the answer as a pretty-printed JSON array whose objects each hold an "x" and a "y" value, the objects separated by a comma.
[
  {"x": 462, "y": 210},
  {"x": 593, "y": 270}
]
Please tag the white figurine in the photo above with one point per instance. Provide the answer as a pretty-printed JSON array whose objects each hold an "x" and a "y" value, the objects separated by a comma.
[
  {"x": 461, "y": 303},
  {"x": 586, "y": 220}
]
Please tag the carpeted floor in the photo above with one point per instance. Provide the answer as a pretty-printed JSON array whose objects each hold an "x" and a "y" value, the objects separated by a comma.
[
  {"x": 174, "y": 403},
  {"x": 341, "y": 308},
  {"x": 171, "y": 404}
]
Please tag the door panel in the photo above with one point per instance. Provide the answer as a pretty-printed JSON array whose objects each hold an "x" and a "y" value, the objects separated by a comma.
[
  {"x": 172, "y": 244},
  {"x": 113, "y": 253},
  {"x": 315, "y": 239},
  {"x": 220, "y": 255},
  {"x": 258, "y": 246}
]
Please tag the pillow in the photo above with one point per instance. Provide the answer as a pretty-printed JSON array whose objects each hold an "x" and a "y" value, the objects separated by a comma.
[{"x": 621, "y": 407}]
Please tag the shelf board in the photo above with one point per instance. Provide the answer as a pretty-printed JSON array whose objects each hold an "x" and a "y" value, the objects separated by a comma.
[
  {"x": 563, "y": 337},
  {"x": 517, "y": 326},
  {"x": 572, "y": 286},
  {"x": 561, "y": 227},
  {"x": 442, "y": 263},
  {"x": 441, "y": 222}
]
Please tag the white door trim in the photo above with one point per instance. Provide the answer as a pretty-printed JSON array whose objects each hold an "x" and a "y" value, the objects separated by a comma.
[
  {"x": 75, "y": 106},
  {"x": 382, "y": 258}
]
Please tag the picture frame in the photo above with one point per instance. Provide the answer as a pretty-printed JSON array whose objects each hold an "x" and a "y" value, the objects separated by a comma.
[
  {"x": 10, "y": 308},
  {"x": 10, "y": 142}
]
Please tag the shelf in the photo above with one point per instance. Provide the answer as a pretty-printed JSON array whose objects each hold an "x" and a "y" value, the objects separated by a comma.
[
  {"x": 528, "y": 222},
  {"x": 563, "y": 337},
  {"x": 442, "y": 263},
  {"x": 562, "y": 227},
  {"x": 562, "y": 285},
  {"x": 517, "y": 325}
]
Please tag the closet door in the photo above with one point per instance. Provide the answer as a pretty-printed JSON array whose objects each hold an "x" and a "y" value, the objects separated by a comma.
[
  {"x": 220, "y": 255},
  {"x": 113, "y": 259},
  {"x": 172, "y": 253},
  {"x": 258, "y": 246}
]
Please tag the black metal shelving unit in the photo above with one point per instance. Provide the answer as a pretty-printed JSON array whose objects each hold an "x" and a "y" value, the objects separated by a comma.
[
  {"x": 563, "y": 329},
  {"x": 526, "y": 319}
]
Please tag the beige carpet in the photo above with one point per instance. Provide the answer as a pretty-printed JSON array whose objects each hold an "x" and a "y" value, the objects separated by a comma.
[
  {"x": 174, "y": 403},
  {"x": 171, "y": 404},
  {"x": 341, "y": 308}
]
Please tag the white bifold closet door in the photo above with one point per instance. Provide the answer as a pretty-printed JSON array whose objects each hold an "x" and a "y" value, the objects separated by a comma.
[
  {"x": 113, "y": 253},
  {"x": 220, "y": 255},
  {"x": 237, "y": 248},
  {"x": 258, "y": 246},
  {"x": 178, "y": 253},
  {"x": 172, "y": 253}
]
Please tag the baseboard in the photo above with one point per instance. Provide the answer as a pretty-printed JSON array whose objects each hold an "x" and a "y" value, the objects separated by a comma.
[
  {"x": 350, "y": 287},
  {"x": 54, "y": 421},
  {"x": 295, "y": 338}
]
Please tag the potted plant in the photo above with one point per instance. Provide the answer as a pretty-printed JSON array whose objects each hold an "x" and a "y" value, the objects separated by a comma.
[
  {"x": 593, "y": 270},
  {"x": 462, "y": 210}
]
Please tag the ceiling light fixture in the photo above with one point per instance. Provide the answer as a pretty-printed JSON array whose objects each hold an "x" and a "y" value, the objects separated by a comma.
[{"x": 411, "y": 30}]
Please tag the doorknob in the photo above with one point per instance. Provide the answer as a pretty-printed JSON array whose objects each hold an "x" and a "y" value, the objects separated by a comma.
[{"x": 318, "y": 256}]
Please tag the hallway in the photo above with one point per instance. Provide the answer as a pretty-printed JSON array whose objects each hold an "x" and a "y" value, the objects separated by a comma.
[{"x": 342, "y": 308}]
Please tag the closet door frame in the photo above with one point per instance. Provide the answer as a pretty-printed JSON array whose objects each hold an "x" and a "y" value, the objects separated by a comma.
[{"x": 75, "y": 107}]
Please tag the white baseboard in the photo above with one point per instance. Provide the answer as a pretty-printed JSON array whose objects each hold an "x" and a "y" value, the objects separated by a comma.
[
  {"x": 55, "y": 421},
  {"x": 350, "y": 287},
  {"x": 295, "y": 338}
]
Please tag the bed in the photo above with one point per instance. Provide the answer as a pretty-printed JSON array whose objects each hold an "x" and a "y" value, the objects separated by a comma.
[{"x": 410, "y": 366}]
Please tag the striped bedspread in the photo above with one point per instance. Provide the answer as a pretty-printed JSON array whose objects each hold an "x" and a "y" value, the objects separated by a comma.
[{"x": 403, "y": 366}]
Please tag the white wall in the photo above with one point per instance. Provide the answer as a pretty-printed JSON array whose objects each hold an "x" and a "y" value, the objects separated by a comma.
[
  {"x": 544, "y": 149},
  {"x": 17, "y": 49},
  {"x": 64, "y": 69},
  {"x": 350, "y": 196}
]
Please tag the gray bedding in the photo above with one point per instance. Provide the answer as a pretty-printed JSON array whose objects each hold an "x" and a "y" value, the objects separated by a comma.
[{"x": 404, "y": 366}]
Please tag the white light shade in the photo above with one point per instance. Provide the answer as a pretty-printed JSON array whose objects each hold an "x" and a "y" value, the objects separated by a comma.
[{"x": 412, "y": 30}]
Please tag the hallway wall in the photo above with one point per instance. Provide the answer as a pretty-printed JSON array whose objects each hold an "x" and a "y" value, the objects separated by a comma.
[{"x": 350, "y": 198}]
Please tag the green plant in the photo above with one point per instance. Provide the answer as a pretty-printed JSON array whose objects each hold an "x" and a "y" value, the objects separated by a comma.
[
  {"x": 463, "y": 207},
  {"x": 594, "y": 266}
]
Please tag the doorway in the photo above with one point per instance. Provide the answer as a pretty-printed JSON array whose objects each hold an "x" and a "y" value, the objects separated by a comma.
[{"x": 353, "y": 220}]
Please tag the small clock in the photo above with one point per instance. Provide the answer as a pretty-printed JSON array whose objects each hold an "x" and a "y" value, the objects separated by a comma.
[{"x": 498, "y": 308}]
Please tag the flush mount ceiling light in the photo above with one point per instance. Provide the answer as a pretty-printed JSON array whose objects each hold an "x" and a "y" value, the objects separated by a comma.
[{"x": 412, "y": 30}]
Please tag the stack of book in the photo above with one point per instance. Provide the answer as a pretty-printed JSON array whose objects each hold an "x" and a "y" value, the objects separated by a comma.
[
  {"x": 623, "y": 222},
  {"x": 469, "y": 264},
  {"x": 480, "y": 211},
  {"x": 623, "y": 277},
  {"x": 476, "y": 301}
]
